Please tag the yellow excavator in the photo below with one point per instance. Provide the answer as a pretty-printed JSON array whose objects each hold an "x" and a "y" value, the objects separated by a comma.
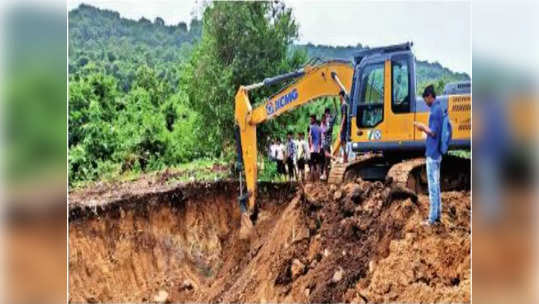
[{"x": 380, "y": 88}]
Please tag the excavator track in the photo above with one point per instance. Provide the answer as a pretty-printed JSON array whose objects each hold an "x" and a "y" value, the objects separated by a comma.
[
  {"x": 408, "y": 175},
  {"x": 411, "y": 174},
  {"x": 339, "y": 171},
  {"x": 336, "y": 174}
]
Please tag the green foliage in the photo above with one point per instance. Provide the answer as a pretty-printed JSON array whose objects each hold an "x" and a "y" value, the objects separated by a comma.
[
  {"x": 461, "y": 153},
  {"x": 269, "y": 170},
  {"x": 126, "y": 111},
  {"x": 148, "y": 128},
  {"x": 242, "y": 43},
  {"x": 118, "y": 46}
]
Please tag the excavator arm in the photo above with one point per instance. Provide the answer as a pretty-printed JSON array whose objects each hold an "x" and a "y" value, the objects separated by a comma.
[{"x": 325, "y": 79}]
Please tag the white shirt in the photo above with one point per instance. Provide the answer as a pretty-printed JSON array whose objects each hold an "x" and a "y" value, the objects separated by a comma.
[
  {"x": 273, "y": 151},
  {"x": 303, "y": 149},
  {"x": 279, "y": 151}
]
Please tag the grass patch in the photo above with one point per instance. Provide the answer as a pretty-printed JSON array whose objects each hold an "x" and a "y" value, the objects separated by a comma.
[
  {"x": 204, "y": 169},
  {"x": 467, "y": 154}
]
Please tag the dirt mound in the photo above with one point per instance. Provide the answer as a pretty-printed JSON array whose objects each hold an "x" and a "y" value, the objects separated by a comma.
[{"x": 358, "y": 243}]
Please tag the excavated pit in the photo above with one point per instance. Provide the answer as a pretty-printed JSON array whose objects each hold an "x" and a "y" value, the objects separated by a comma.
[
  {"x": 127, "y": 248},
  {"x": 180, "y": 243}
]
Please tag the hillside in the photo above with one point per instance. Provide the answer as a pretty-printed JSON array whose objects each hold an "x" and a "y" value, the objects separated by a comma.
[
  {"x": 119, "y": 45},
  {"x": 103, "y": 36}
]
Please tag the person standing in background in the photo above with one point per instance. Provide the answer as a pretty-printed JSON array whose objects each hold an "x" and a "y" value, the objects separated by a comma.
[
  {"x": 279, "y": 156},
  {"x": 315, "y": 142},
  {"x": 327, "y": 137},
  {"x": 323, "y": 129},
  {"x": 344, "y": 122},
  {"x": 272, "y": 150},
  {"x": 302, "y": 155},
  {"x": 290, "y": 156}
]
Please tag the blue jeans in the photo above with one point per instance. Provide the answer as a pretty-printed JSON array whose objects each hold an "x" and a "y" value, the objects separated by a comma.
[{"x": 433, "y": 177}]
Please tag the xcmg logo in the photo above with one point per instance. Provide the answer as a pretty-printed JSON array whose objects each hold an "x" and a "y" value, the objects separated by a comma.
[{"x": 278, "y": 104}]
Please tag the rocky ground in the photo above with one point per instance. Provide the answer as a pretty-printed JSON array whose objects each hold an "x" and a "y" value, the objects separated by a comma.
[{"x": 319, "y": 243}]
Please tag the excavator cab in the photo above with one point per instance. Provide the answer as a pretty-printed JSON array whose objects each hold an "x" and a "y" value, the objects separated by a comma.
[
  {"x": 382, "y": 111},
  {"x": 384, "y": 104}
]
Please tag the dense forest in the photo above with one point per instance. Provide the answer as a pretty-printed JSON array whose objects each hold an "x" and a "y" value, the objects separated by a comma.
[{"x": 144, "y": 95}]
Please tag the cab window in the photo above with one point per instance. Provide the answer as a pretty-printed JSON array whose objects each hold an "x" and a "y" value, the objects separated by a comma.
[
  {"x": 400, "y": 99},
  {"x": 371, "y": 96}
]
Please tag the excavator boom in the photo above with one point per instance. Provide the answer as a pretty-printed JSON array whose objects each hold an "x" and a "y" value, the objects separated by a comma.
[{"x": 313, "y": 82}]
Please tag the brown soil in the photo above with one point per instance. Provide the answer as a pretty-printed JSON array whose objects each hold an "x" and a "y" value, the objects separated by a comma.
[{"x": 180, "y": 243}]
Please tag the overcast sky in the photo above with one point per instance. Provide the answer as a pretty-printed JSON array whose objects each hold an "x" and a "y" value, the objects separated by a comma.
[{"x": 440, "y": 30}]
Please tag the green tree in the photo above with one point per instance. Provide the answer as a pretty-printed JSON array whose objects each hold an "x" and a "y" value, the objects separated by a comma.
[{"x": 241, "y": 43}]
